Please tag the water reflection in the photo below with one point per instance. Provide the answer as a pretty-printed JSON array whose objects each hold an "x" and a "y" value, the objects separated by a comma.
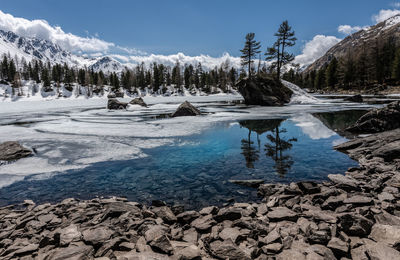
[{"x": 194, "y": 171}]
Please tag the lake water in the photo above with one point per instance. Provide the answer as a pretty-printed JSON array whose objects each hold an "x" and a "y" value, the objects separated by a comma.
[{"x": 192, "y": 169}]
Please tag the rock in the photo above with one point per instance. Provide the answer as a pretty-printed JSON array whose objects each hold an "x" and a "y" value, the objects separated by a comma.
[
  {"x": 191, "y": 252},
  {"x": 162, "y": 244},
  {"x": 97, "y": 235},
  {"x": 264, "y": 91},
  {"x": 272, "y": 237},
  {"x": 75, "y": 251},
  {"x": 378, "y": 120},
  {"x": 186, "y": 109},
  {"x": 10, "y": 151},
  {"x": 228, "y": 250},
  {"x": 339, "y": 247},
  {"x": 187, "y": 216},
  {"x": 114, "y": 104},
  {"x": 282, "y": 213},
  {"x": 266, "y": 190},
  {"x": 138, "y": 101},
  {"x": 354, "y": 224},
  {"x": 344, "y": 182},
  {"x": 230, "y": 213},
  {"x": 111, "y": 95},
  {"x": 318, "y": 237},
  {"x": 386, "y": 196},
  {"x": 272, "y": 248},
  {"x": 359, "y": 200},
  {"x": 388, "y": 152},
  {"x": 203, "y": 223},
  {"x": 229, "y": 233},
  {"x": 165, "y": 213},
  {"x": 356, "y": 98},
  {"x": 248, "y": 183},
  {"x": 387, "y": 234},
  {"x": 309, "y": 187},
  {"x": 154, "y": 232},
  {"x": 26, "y": 250},
  {"x": 69, "y": 234}
]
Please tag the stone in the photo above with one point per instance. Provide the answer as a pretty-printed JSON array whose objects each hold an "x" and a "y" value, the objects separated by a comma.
[
  {"x": 230, "y": 213},
  {"x": 272, "y": 237},
  {"x": 387, "y": 234},
  {"x": 344, "y": 182},
  {"x": 11, "y": 151},
  {"x": 162, "y": 244},
  {"x": 228, "y": 250},
  {"x": 203, "y": 223},
  {"x": 165, "y": 213},
  {"x": 272, "y": 248},
  {"x": 26, "y": 250},
  {"x": 359, "y": 200},
  {"x": 378, "y": 120},
  {"x": 186, "y": 109},
  {"x": 191, "y": 252},
  {"x": 282, "y": 213},
  {"x": 97, "y": 235},
  {"x": 386, "y": 196},
  {"x": 263, "y": 91},
  {"x": 138, "y": 101},
  {"x": 339, "y": 247},
  {"x": 229, "y": 233},
  {"x": 356, "y": 98},
  {"x": 114, "y": 104},
  {"x": 309, "y": 187},
  {"x": 75, "y": 251},
  {"x": 354, "y": 224},
  {"x": 69, "y": 234},
  {"x": 154, "y": 232},
  {"x": 187, "y": 216}
]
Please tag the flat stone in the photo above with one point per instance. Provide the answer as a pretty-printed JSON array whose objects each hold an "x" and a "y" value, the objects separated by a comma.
[
  {"x": 272, "y": 237},
  {"x": 69, "y": 234},
  {"x": 229, "y": 233},
  {"x": 386, "y": 196},
  {"x": 344, "y": 182},
  {"x": 187, "y": 216},
  {"x": 309, "y": 187},
  {"x": 191, "y": 252},
  {"x": 338, "y": 246},
  {"x": 230, "y": 213},
  {"x": 154, "y": 232},
  {"x": 75, "y": 251},
  {"x": 228, "y": 250},
  {"x": 355, "y": 225},
  {"x": 272, "y": 248},
  {"x": 203, "y": 223},
  {"x": 165, "y": 213},
  {"x": 162, "y": 244},
  {"x": 97, "y": 235},
  {"x": 282, "y": 213},
  {"x": 359, "y": 200},
  {"x": 387, "y": 234},
  {"x": 10, "y": 151}
]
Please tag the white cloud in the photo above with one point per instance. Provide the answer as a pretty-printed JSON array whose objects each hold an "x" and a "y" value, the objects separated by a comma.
[
  {"x": 206, "y": 61},
  {"x": 347, "y": 29},
  {"x": 315, "y": 48},
  {"x": 384, "y": 15}
]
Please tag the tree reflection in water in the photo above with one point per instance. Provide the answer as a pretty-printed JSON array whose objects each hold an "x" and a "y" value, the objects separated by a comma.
[{"x": 274, "y": 148}]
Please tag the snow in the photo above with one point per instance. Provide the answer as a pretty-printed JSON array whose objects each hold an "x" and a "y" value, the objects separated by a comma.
[{"x": 299, "y": 95}]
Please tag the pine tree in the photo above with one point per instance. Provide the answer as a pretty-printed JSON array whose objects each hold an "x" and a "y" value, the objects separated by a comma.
[
  {"x": 277, "y": 53},
  {"x": 331, "y": 73},
  {"x": 250, "y": 51}
]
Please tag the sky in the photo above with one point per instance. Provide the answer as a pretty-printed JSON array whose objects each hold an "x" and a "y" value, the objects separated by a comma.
[{"x": 164, "y": 28}]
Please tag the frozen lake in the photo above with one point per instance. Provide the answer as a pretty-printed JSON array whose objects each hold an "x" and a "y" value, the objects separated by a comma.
[{"x": 84, "y": 150}]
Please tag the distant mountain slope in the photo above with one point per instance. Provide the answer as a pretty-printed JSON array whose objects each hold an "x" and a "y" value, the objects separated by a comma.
[
  {"x": 46, "y": 51},
  {"x": 364, "y": 39}
]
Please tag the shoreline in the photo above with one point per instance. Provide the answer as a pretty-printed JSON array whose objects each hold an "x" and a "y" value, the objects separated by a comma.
[{"x": 354, "y": 215}]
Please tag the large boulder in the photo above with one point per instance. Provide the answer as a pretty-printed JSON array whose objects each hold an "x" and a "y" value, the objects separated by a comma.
[
  {"x": 186, "y": 109},
  {"x": 138, "y": 101},
  {"x": 11, "y": 150},
  {"x": 114, "y": 104},
  {"x": 378, "y": 120},
  {"x": 264, "y": 91}
]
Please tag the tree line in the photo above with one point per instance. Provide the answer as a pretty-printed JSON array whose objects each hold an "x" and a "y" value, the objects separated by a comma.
[
  {"x": 370, "y": 66},
  {"x": 156, "y": 77}
]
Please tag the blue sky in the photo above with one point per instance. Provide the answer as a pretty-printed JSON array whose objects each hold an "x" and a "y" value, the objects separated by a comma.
[{"x": 196, "y": 27}]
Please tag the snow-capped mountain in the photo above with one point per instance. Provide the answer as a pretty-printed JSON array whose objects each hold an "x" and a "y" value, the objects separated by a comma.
[
  {"x": 363, "y": 40},
  {"x": 107, "y": 65},
  {"x": 46, "y": 51}
]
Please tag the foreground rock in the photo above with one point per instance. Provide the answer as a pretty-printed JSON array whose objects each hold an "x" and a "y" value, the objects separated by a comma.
[
  {"x": 186, "y": 109},
  {"x": 352, "y": 216},
  {"x": 378, "y": 120},
  {"x": 264, "y": 92},
  {"x": 11, "y": 150},
  {"x": 114, "y": 104},
  {"x": 138, "y": 101}
]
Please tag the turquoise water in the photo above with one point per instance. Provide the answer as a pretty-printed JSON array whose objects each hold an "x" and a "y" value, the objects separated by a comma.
[{"x": 195, "y": 170}]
